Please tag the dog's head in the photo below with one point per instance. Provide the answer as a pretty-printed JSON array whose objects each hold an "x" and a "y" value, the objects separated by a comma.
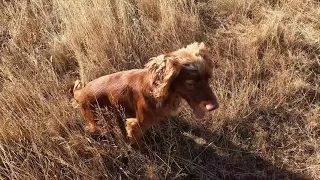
[{"x": 186, "y": 72}]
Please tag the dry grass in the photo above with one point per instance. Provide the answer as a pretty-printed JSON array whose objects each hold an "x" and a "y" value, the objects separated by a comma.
[{"x": 267, "y": 54}]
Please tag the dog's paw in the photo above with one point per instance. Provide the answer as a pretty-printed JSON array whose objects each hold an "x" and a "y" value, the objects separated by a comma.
[{"x": 92, "y": 129}]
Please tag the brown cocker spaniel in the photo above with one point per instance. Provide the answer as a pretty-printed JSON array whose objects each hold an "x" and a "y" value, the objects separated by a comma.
[{"x": 149, "y": 95}]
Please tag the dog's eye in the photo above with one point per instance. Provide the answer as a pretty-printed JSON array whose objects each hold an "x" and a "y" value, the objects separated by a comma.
[{"x": 190, "y": 83}]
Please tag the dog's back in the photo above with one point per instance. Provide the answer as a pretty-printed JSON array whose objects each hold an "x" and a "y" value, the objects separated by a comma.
[{"x": 121, "y": 88}]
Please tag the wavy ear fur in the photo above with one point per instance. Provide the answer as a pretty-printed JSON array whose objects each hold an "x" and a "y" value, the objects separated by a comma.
[{"x": 164, "y": 69}]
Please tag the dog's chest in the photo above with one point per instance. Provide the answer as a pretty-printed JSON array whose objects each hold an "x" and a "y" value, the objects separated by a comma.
[
  {"x": 179, "y": 106},
  {"x": 173, "y": 108}
]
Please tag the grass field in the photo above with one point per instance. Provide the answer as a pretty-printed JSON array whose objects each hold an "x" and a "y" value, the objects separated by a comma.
[{"x": 266, "y": 78}]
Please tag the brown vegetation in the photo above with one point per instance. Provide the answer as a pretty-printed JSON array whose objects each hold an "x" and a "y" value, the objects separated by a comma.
[{"x": 266, "y": 79}]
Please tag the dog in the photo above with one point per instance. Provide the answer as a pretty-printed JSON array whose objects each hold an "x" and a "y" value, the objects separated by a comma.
[{"x": 151, "y": 94}]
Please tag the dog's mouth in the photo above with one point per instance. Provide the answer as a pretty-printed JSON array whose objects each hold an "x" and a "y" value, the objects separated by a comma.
[{"x": 198, "y": 112}]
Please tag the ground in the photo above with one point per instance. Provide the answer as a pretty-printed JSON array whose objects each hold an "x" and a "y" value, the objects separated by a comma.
[{"x": 266, "y": 77}]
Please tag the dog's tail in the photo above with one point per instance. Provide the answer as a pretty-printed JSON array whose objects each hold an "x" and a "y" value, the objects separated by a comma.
[
  {"x": 73, "y": 86},
  {"x": 76, "y": 85}
]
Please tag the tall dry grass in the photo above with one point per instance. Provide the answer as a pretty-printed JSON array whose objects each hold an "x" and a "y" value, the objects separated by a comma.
[{"x": 266, "y": 78}]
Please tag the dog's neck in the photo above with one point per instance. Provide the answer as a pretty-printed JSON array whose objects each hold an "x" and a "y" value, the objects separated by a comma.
[{"x": 171, "y": 102}]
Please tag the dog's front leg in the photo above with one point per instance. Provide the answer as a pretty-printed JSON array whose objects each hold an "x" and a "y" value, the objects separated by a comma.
[
  {"x": 135, "y": 128},
  {"x": 89, "y": 117},
  {"x": 135, "y": 131}
]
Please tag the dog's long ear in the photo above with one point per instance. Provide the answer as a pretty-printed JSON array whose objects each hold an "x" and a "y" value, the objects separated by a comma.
[{"x": 164, "y": 69}]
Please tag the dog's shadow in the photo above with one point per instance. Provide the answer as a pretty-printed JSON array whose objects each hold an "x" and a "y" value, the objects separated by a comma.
[
  {"x": 190, "y": 151},
  {"x": 186, "y": 150}
]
